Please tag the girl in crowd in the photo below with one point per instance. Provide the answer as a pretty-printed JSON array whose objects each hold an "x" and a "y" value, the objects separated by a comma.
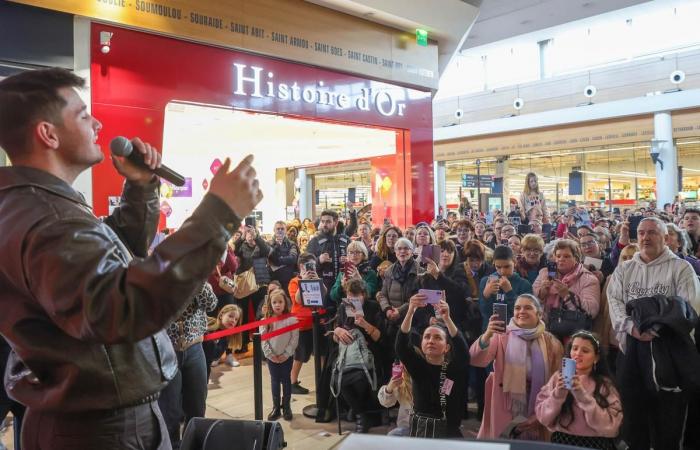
[
  {"x": 385, "y": 247},
  {"x": 410, "y": 233},
  {"x": 292, "y": 233},
  {"x": 524, "y": 357},
  {"x": 590, "y": 414},
  {"x": 229, "y": 317},
  {"x": 573, "y": 286},
  {"x": 479, "y": 229},
  {"x": 364, "y": 233},
  {"x": 531, "y": 260},
  {"x": 515, "y": 244},
  {"x": 363, "y": 329},
  {"x": 424, "y": 236},
  {"x": 531, "y": 197},
  {"x": 302, "y": 241},
  {"x": 279, "y": 352},
  {"x": 464, "y": 233},
  {"x": 438, "y": 371},
  {"x": 359, "y": 269},
  {"x": 398, "y": 390},
  {"x": 475, "y": 267}
]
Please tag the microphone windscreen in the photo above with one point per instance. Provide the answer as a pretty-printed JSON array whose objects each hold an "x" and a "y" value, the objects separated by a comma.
[{"x": 121, "y": 146}]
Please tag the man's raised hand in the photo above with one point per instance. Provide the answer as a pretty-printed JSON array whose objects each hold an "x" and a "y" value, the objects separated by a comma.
[{"x": 238, "y": 188}]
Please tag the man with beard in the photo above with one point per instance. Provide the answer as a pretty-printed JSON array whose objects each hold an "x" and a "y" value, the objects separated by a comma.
[{"x": 329, "y": 247}]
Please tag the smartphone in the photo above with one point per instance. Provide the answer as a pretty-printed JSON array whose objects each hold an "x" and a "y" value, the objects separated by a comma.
[
  {"x": 387, "y": 221},
  {"x": 433, "y": 297},
  {"x": 396, "y": 371},
  {"x": 250, "y": 222},
  {"x": 524, "y": 229},
  {"x": 634, "y": 224},
  {"x": 572, "y": 230},
  {"x": 347, "y": 268},
  {"x": 547, "y": 229},
  {"x": 515, "y": 221},
  {"x": 310, "y": 266},
  {"x": 501, "y": 310},
  {"x": 430, "y": 252},
  {"x": 552, "y": 269},
  {"x": 568, "y": 370}
]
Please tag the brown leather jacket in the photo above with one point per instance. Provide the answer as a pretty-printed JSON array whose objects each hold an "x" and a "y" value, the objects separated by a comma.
[{"x": 82, "y": 305}]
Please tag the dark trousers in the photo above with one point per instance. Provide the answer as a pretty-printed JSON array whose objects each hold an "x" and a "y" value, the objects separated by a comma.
[
  {"x": 135, "y": 428},
  {"x": 651, "y": 419},
  {"x": 213, "y": 350},
  {"x": 357, "y": 392},
  {"x": 249, "y": 305},
  {"x": 185, "y": 396},
  {"x": 280, "y": 375}
]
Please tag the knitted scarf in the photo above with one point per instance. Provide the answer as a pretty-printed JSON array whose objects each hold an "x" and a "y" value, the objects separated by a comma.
[{"x": 522, "y": 344}]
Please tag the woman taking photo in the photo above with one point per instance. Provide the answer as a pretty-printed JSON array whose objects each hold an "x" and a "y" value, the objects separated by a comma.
[
  {"x": 572, "y": 286},
  {"x": 385, "y": 247},
  {"x": 357, "y": 269},
  {"x": 439, "y": 373},
  {"x": 524, "y": 357},
  {"x": 590, "y": 413}
]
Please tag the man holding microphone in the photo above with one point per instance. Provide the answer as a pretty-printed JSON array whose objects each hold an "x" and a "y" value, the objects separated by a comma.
[{"x": 83, "y": 305}]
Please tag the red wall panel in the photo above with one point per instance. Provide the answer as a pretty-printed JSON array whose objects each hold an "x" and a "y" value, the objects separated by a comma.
[{"x": 132, "y": 84}]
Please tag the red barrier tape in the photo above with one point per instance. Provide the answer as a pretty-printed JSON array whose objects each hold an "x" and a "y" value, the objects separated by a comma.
[
  {"x": 283, "y": 330},
  {"x": 246, "y": 327}
]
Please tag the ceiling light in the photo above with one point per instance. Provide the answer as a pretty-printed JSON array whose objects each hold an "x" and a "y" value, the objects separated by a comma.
[{"x": 640, "y": 174}]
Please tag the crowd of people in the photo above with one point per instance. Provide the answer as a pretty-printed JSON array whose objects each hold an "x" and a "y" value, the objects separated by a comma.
[{"x": 572, "y": 326}]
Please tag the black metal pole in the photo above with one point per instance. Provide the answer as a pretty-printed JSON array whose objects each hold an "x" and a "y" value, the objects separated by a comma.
[
  {"x": 312, "y": 410},
  {"x": 257, "y": 376},
  {"x": 478, "y": 183}
]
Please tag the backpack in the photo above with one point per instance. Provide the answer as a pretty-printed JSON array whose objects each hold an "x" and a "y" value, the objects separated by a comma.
[{"x": 353, "y": 356}]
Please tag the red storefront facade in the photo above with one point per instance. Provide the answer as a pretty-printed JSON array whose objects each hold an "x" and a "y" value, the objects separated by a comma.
[{"x": 132, "y": 84}]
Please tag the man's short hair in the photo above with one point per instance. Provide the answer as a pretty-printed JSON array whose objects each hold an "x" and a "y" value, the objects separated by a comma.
[
  {"x": 502, "y": 253},
  {"x": 691, "y": 211},
  {"x": 28, "y": 98},
  {"x": 660, "y": 224},
  {"x": 329, "y": 212}
]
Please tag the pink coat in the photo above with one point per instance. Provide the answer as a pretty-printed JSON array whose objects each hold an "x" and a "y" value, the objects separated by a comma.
[
  {"x": 497, "y": 413},
  {"x": 589, "y": 418},
  {"x": 581, "y": 282}
]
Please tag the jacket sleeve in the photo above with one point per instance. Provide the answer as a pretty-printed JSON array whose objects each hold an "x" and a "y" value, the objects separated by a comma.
[
  {"x": 206, "y": 300},
  {"x": 621, "y": 322},
  {"x": 337, "y": 289},
  {"x": 549, "y": 402},
  {"x": 266, "y": 345},
  {"x": 293, "y": 342},
  {"x": 485, "y": 304},
  {"x": 135, "y": 220},
  {"x": 537, "y": 285},
  {"x": 687, "y": 284},
  {"x": 313, "y": 247},
  {"x": 606, "y": 421},
  {"x": 385, "y": 399},
  {"x": 263, "y": 246},
  {"x": 482, "y": 357},
  {"x": 589, "y": 294},
  {"x": 289, "y": 260},
  {"x": 383, "y": 295},
  {"x": 230, "y": 264},
  {"x": 109, "y": 299},
  {"x": 371, "y": 282}
]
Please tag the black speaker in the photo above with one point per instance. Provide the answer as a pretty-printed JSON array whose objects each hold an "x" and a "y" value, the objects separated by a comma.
[
  {"x": 351, "y": 195},
  {"x": 575, "y": 183},
  {"x": 214, "y": 434},
  {"x": 317, "y": 196}
]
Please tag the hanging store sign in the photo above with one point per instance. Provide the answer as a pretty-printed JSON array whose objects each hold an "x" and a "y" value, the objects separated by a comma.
[
  {"x": 256, "y": 82},
  {"x": 294, "y": 30}
]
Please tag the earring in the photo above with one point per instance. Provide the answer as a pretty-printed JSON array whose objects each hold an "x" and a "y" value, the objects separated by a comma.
[{"x": 594, "y": 366}]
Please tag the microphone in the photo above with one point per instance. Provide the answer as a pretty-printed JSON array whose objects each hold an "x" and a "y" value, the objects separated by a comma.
[{"x": 121, "y": 146}]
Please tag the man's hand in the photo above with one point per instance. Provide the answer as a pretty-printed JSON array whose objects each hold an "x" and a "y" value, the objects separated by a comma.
[
  {"x": 238, "y": 188},
  {"x": 134, "y": 173},
  {"x": 324, "y": 258}
]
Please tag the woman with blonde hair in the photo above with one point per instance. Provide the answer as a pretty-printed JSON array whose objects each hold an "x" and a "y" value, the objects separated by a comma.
[
  {"x": 385, "y": 247},
  {"x": 398, "y": 390}
]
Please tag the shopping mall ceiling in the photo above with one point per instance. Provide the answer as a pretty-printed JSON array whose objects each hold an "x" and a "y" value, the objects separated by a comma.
[
  {"x": 503, "y": 19},
  {"x": 447, "y": 24}
]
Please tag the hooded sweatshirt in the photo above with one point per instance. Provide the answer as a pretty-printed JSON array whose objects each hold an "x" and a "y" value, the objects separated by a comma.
[{"x": 667, "y": 275}]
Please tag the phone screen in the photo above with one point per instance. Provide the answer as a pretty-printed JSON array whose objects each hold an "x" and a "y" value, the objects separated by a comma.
[
  {"x": 634, "y": 224},
  {"x": 396, "y": 371},
  {"x": 568, "y": 370},
  {"x": 552, "y": 269},
  {"x": 433, "y": 296},
  {"x": 501, "y": 310},
  {"x": 347, "y": 268}
]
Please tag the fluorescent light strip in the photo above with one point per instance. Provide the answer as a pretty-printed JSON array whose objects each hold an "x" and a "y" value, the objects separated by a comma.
[
  {"x": 614, "y": 174},
  {"x": 691, "y": 170}
]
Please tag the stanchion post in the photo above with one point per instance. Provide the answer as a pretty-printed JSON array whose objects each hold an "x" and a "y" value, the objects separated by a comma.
[
  {"x": 312, "y": 410},
  {"x": 257, "y": 376}
]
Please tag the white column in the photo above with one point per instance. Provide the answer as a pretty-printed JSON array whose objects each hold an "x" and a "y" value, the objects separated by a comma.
[
  {"x": 440, "y": 185},
  {"x": 81, "y": 65},
  {"x": 666, "y": 178},
  {"x": 305, "y": 194}
]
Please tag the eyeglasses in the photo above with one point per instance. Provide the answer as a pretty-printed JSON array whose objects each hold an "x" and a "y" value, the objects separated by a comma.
[
  {"x": 532, "y": 250},
  {"x": 398, "y": 249},
  {"x": 589, "y": 244},
  {"x": 355, "y": 252}
]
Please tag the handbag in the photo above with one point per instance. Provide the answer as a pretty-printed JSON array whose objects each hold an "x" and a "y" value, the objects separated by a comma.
[
  {"x": 427, "y": 426},
  {"x": 564, "y": 322},
  {"x": 245, "y": 284},
  {"x": 225, "y": 283}
]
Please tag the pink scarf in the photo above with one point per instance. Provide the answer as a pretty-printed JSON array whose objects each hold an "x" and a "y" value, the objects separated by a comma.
[
  {"x": 552, "y": 298},
  {"x": 523, "y": 344}
]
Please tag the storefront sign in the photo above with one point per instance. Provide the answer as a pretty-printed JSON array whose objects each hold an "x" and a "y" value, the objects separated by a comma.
[
  {"x": 293, "y": 30},
  {"x": 248, "y": 81}
]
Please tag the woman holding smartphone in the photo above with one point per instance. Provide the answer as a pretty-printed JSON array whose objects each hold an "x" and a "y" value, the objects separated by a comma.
[
  {"x": 586, "y": 413},
  {"x": 438, "y": 371},
  {"x": 524, "y": 357}
]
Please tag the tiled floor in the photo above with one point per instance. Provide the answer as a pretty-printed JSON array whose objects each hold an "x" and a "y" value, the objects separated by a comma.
[{"x": 231, "y": 397}]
